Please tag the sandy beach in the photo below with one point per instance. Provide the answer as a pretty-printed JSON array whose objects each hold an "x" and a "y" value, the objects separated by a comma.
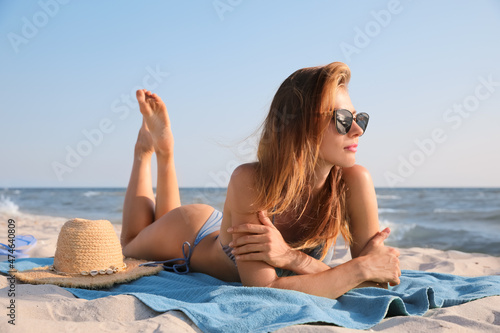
[{"x": 52, "y": 308}]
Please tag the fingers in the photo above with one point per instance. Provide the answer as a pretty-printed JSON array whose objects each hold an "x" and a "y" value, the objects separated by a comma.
[
  {"x": 255, "y": 256},
  {"x": 381, "y": 236},
  {"x": 248, "y": 248},
  {"x": 254, "y": 228},
  {"x": 394, "y": 282},
  {"x": 249, "y": 239},
  {"x": 248, "y": 228},
  {"x": 264, "y": 219}
]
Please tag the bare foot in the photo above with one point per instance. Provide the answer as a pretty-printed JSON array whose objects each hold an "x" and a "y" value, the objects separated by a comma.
[
  {"x": 156, "y": 118},
  {"x": 144, "y": 145}
]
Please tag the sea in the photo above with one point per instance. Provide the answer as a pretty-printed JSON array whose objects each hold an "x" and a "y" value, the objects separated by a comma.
[{"x": 463, "y": 219}]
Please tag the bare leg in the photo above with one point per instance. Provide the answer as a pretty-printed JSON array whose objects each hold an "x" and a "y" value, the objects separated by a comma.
[
  {"x": 173, "y": 224},
  {"x": 139, "y": 204},
  {"x": 156, "y": 117}
]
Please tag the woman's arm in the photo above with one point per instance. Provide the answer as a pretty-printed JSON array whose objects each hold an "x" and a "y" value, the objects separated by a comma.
[
  {"x": 265, "y": 243},
  {"x": 362, "y": 207},
  {"x": 377, "y": 263},
  {"x": 240, "y": 209}
]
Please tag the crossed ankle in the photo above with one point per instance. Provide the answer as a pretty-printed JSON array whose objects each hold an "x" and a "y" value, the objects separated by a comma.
[
  {"x": 165, "y": 156},
  {"x": 142, "y": 154}
]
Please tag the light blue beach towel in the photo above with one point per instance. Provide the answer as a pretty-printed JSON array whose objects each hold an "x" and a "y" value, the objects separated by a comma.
[{"x": 216, "y": 306}]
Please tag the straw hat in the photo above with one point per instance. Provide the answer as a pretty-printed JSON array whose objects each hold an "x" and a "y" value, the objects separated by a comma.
[{"x": 88, "y": 255}]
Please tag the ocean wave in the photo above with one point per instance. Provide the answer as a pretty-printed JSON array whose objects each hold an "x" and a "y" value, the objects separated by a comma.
[
  {"x": 89, "y": 194},
  {"x": 493, "y": 217},
  {"x": 391, "y": 210},
  {"x": 8, "y": 206},
  {"x": 492, "y": 214},
  {"x": 441, "y": 237},
  {"x": 388, "y": 197},
  {"x": 447, "y": 211},
  {"x": 398, "y": 230}
]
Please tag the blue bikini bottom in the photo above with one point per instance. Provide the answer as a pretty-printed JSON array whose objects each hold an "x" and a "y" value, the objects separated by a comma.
[{"x": 212, "y": 224}]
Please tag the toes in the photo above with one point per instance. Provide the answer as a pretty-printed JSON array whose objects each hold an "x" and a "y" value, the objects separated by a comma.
[
  {"x": 157, "y": 99},
  {"x": 141, "y": 97}
]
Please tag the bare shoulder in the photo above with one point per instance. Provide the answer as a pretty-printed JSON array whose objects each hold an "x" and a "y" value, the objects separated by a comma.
[
  {"x": 359, "y": 182},
  {"x": 357, "y": 175},
  {"x": 244, "y": 174},
  {"x": 241, "y": 192}
]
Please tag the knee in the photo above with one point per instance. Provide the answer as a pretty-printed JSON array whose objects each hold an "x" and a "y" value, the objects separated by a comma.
[
  {"x": 123, "y": 240},
  {"x": 126, "y": 250},
  {"x": 129, "y": 249}
]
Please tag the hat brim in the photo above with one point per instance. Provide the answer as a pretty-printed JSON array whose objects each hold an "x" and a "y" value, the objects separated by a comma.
[{"x": 43, "y": 275}]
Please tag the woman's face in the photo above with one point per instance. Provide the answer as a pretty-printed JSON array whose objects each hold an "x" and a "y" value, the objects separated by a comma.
[{"x": 337, "y": 149}]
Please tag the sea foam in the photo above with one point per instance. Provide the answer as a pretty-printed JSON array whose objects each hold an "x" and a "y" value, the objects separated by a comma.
[{"x": 7, "y": 206}]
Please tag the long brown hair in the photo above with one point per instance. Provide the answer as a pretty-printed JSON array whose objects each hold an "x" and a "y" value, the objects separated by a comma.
[{"x": 288, "y": 152}]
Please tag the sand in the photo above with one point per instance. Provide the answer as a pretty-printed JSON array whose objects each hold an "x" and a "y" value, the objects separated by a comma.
[{"x": 45, "y": 308}]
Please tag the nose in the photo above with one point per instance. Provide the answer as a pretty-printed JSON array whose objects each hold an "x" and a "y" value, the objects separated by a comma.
[{"x": 355, "y": 130}]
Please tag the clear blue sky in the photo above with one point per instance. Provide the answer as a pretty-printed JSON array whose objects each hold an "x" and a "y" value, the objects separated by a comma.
[{"x": 427, "y": 72}]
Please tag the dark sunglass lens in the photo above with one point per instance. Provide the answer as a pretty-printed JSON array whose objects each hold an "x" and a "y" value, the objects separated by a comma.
[
  {"x": 343, "y": 121},
  {"x": 362, "y": 120}
]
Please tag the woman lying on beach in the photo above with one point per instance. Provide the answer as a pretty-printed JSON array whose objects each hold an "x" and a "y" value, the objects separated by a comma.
[{"x": 283, "y": 212}]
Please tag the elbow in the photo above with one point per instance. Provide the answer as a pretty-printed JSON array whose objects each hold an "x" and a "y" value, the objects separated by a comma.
[
  {"x": 286, "y": 282},
  {"x": 271, "y": 283},
  {"x": 274, "y": 283},
  {"x": 260, "y": 285}
]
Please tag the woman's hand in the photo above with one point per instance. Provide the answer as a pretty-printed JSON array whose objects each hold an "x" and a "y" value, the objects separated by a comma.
[
  {"x": 380, "y": 263},
  {"x": 262, "y": 243}
]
